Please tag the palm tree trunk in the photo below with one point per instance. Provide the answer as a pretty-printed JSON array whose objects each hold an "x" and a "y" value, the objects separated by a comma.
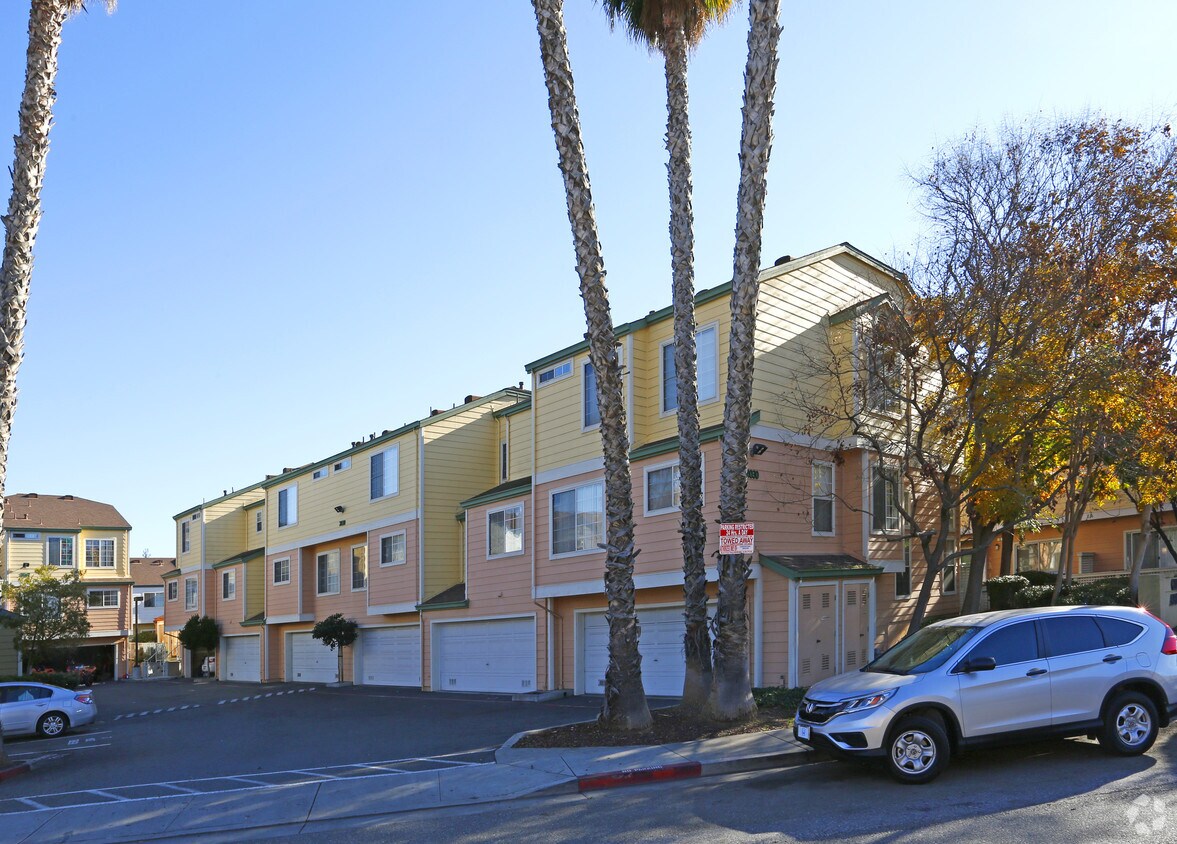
[
  {"x": 697, "y": 637},
  {"x": 46, "y": 19},
  {"x": 732, "y": 694},
  {"x": 625, "y": 704}
]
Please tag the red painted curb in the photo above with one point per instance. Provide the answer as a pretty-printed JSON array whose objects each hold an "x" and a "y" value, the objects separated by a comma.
[
  {"x": 14, "y": 771},
  {"x": 638, "y": 776}
]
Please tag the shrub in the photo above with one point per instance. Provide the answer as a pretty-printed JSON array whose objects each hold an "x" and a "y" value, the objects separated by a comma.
[
  {"x": 64, "y": 679},
  {"x": 1033, "y": 596},
  {"x": 1110, "y": 592},
  {"x": 1003, "y": 589},
  {"x": 779, "y": 697},
  {"x": 1039, "y": 578}
]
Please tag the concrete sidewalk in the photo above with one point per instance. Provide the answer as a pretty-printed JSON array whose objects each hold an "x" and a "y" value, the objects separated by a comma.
[{"x": 242, "y": 813}]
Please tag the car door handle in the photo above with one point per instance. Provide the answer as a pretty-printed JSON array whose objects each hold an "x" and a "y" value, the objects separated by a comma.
[
  {"x": 1034, "y": 672},
  {"x": 1112, "y": 658}
]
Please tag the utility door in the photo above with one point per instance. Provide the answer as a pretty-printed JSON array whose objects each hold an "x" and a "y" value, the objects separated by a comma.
[
  {"x": 856, "y": 650},
  {"x": 817, "y": 632}
]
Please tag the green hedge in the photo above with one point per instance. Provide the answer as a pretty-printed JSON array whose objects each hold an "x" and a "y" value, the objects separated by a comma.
[
  {"x": 65, "y": 679},
  {"x": 779, "y": 697},
  {"x": 1003, "y": 591}
]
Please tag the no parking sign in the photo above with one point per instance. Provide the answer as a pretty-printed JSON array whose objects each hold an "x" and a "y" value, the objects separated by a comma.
[{"x": 737, "y": 537}]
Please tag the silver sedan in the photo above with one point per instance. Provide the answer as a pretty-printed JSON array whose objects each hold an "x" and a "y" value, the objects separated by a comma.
[{"x": 27, "y": 708}]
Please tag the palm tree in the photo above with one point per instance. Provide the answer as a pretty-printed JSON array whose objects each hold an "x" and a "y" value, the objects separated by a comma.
[
  {"x": 46, "y": 20},
  {"x": 732, "y": 693},
  {"x": 673, "y": 28},
  {"x": 625, "y": 704}
]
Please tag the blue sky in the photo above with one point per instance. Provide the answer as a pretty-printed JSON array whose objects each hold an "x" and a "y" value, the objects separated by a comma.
[{"x": 271, "y": 228}]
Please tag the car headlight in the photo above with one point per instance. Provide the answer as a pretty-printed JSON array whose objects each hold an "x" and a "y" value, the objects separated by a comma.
[{"x": 861, "y": 704}]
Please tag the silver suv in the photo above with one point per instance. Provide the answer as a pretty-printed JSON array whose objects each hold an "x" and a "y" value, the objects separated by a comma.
[{"x": 1104, "y": 672}]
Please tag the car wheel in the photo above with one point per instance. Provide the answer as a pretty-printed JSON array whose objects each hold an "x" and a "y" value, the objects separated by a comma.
[
  {"x": 52, "y": 724},
  {"x": 1130, "y": 726},
  {"x": 918, "y": 750}
]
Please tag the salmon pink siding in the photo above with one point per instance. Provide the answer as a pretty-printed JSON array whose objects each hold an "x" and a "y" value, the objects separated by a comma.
[
  {"x": 398, "y": 583},
  {"x": 230, "y": 613},
  {"x": 110, "y": 621}
]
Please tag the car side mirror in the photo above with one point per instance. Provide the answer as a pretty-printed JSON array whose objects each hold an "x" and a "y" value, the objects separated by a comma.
[{"x": 980, "y": 663}]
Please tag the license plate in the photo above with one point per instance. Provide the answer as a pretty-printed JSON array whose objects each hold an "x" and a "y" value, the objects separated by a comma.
[{"x": 803, "y": 731}]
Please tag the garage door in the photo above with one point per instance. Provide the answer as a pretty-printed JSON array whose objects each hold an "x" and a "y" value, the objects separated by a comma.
[
  {"x": 485, "y": 656},
  {"x": 391, "y": 656},
  {"x": 310, "y": 660},
  {"x": 663, "y": 664},
  {"x": 241, "y": 658}
]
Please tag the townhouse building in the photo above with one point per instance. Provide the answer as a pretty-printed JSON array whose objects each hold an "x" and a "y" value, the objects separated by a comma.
[
  {"x": 68, "y": 533},
  {"x": 466, "y": 545}
]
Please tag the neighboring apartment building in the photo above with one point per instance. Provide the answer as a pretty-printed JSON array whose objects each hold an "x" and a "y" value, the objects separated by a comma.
[
  {"x": 69, "y": 533},
  {"x": 148, "y": 589},
  {"x": 466, "y": 545}
]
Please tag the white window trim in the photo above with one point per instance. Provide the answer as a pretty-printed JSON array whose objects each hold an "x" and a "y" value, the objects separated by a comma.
[
  {"x": 552, "y": 555},
  {"x": 278, "y": 506},
  {"x": 676, "y": 508},
  {"x": 351, "y": 560},
  {"x": 321, "y": 473},
  {"x": 341, "y": 465},
  {"x": 584, "y": 367},
  {"x": 117, "y": 597},
  {"x": 555, "y": 378},
  {"x": 73, "y": 554},
  {"x": 195, "y": 594},
  {"x": 395, "y": 451},
  {"x": 908, "y": 569},
  {"x": 259, "y": 521},
  {"x": 169, "y": 590},
  {"x": 899, "y": 491},
  {"x": 699, "y": 329},
  {"x": 833, "y": 497},
  {"x": 339, "y": 572},
  {"x": 114, "y": 551},
  {"x": 1128, "y": 534},
  {"x": 273, "y": 563},
  {"x": 229, "y": 577},
  {"x": 185, "y": 536},
  {"x": 522, "y": 526},
  {"x": 380, "y": 547}
]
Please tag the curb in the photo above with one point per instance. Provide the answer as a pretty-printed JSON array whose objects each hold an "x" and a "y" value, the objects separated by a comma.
[{"x": 15, "y": 770}]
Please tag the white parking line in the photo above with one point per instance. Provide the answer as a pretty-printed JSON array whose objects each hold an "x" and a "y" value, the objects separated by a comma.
[
  {"x": 32, "y": 803},
  {"x": 108, "y": 795}
]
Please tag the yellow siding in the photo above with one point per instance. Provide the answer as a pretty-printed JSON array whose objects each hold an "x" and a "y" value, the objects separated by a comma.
[
  {"x": 350, "y": 488},
  {"x": 225, "y": 529},
  {"x": 255, "y": 538},
  {"x": 559, "y": 438},
  {"x": 192, "y": 556},
  {"x": 122, "y": 561},
  {"x": 519, "y": 444},
  {"x": 21, "y": 552},
  {"x": 255, "y": 585},
  {"x": 461, "y": 460}
]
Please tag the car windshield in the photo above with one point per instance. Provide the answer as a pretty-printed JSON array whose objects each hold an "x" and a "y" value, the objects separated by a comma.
[{"x": 923, "y": 651}]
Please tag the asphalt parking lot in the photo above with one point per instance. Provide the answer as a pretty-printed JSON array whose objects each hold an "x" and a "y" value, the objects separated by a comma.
[{"x": 178, "y": 730}]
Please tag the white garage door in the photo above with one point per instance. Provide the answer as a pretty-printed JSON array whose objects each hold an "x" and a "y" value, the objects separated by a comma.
[
  {"x": 485, "y": 656},
  {"x": 311, "y": 661},
  {"x": 241, "y": 658},
  {"x": 663, "y": 664},
  {"x": 391, "y": 656}
]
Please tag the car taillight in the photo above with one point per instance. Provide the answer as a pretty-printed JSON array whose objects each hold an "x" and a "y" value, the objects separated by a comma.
[
  {"x": 1169, "y": 646},
  {"x": 87, "y": 699}
]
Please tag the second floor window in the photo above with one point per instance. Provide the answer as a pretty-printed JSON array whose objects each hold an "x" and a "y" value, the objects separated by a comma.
[
  {"x": 61, "y": 551},
  {"x": 359, "y": 567},
  {"x": 281, "y": 572},
  {"x": 173, "y": 590},
  {"x": 100, "y": 553},
  {"x": 505, "y": 531},
  {"x": 663, "y": 489},
  {"x": 97, "y": 598},
  {"x": 327, "y": 573},
  {"x": 228, "y": 585},
  {"x": 903, "y": 578},
  {"x": 393, "y": 549},
  {"x": 884, "y": 499},
  {"x": 823, "y": 498},
  {"x": 190, "y": 593},
  {"x": 578, "y": 519}
]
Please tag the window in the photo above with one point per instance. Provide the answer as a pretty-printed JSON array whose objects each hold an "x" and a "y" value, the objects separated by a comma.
[
  {"x": 578, "y": 519},
  {"x": 1040, "y": 556},
  {"x": 561, "y": 370},
  {"x": 823, "y": 498},
  {"x": 884, "y": 499},
  {"x": 883, "y": 377},
  {"x": 1072, "y": 635},
  {"x": 706, "y": 369},
  {"x": 1009, "y": 645},
  {"x": 592, "y": 414},
  {"x": 190, "y": 593},
  {"x": 504, "y": 531},
  {"x": 948, "y": 569},
  {"x": 257, "y": 522},
  {"x": 663, "y": 489},
  {"x": 504, "y": 465},
  {"x": 343, "y": 464},
  {"x": 385, "y": 472},
  {"x": 281, "y": 572},
  {"x": 359, "y": 568},
  {"x": 903, "y": 578},
  {"x": 1156, "y": 554},
  {"x": 61, "y": 551},
  {"x": 173, "y": 590},
  {"x": 185, "y": 536},
  {"x": 393, "y": 549},
  {"x": 25, "y": 536},
  {"x": 320, "y": 473},
  {"x": 100, "y": 553},
  {"x": 151, "y": 600},
  {"x": 99, "y": 598},
  {"x": 229, "y": 585},
  {"x": 327, "y": 573},
  {"x": 1117, "y": 632},
  {"x": 288, "y": 506}
]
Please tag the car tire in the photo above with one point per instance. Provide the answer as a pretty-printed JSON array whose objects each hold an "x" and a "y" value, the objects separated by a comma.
[
  {"x": 1130, "y": 724},
  {"x": 918, "y": 750},
  {"x": 52, "y": 725}
]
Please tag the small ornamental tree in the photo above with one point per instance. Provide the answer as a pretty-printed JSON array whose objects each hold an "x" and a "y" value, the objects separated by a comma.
[
  {"x": 337, "y": 633},
  {"x": 52, "y": 612},
  {"x": 200, "y": 633}
]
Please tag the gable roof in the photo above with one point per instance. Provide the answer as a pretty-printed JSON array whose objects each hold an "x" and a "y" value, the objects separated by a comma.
[
  {"x": 33, "y": 511},
  {"x": 149, "y": 571}
]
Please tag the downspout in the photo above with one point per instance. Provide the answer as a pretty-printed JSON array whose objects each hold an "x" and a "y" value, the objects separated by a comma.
[
  {"x": 758, "y": 628},
  {"x": 202, "y": 584},
  {"x": 551, "y": 647},
  {"x": 420, "y": 516}
]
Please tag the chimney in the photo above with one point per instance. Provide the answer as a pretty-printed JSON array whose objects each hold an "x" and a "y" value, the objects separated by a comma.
[{"x": 784, "y": 259}]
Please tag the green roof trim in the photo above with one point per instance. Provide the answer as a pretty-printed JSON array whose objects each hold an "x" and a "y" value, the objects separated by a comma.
[
  {"x": 518, "y": 407},
  {"x": 452, "y": 605},
  {"x": 220, "y": 500},
  {"x": 670, "y": 444},
  {"x": 502, "y": 492},
  {"x": 172, "y": 573},
  {"x": 254, "y": 504},
  {"x": 258, "y": 620},
  {"x": 817, "y": 566},
  {"x": 243, "y": 557},
  {"x": 52, "y": 530}
]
